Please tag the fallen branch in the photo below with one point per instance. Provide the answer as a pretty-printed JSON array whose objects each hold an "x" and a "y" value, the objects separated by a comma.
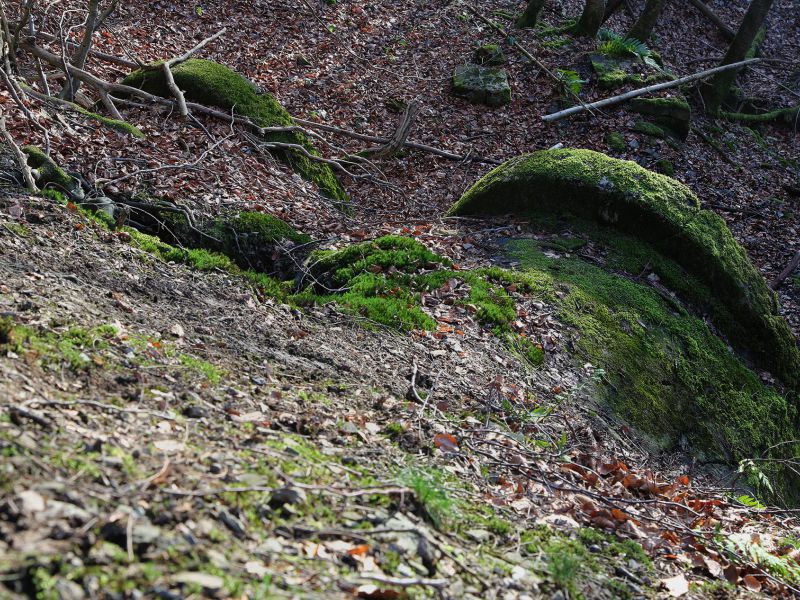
[
  {"x": 175, "y": 90},
  {"x": 790, "y": 268},
  {"x": 417, "y": 146},
  {"x": 646, "y": 90},
  {"x": 726, "y": 31},
  {"x": 400, "y": 135},
  {"x": 407, "y": 581},
  {"x": 167, "y": 66},
  {"x": 122, "y": 409},
  {"x": 109, "y": 58},
  {"x": 780, "y": 114},
  {"x": 22, "y": 160}
]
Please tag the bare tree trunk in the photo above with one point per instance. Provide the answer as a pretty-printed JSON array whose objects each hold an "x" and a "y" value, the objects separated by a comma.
[
  {"x": 643, "y": 28},
  {"x": 592, "y": 18},
  {"x": 93, "y": 22},
  {"x": 531, "y": 14},
  {"x": 716, "y": 89}
]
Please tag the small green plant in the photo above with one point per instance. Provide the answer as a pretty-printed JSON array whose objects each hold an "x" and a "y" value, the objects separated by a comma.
[
  {"x": 754, "y": 476},
  {"x": 431, "y": 495},
  {"x": 569, "y": 82},
  {"x": 563, "y": 567},
  {"x": 750, "y": 501},
  {"x": 612, "y": 44}
]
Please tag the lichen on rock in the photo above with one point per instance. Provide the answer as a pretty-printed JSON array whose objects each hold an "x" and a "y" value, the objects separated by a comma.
[
  {"x": 210, "y": 83},
  {"x": 482, "y": 85}
]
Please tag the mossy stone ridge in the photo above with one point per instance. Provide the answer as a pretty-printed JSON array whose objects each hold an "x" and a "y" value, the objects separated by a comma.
[
  {"x": 672, "y": 113},
  {"x": 660, "y": 211},
  {"x": 210, "y": 83}
]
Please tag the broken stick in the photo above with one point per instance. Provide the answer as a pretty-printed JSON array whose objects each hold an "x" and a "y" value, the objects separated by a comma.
[{"x": 790, "y": 268}]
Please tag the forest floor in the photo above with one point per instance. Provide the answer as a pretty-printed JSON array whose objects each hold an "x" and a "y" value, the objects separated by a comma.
[{"x": 171, "y": 433}]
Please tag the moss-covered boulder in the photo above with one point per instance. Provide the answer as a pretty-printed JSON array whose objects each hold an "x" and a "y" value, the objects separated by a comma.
[
  {"x": 665, "y": 214},
  {"x": 672, "y": 113},
  {"x": 490, "y": 55},
  {"x": 482, "y": 85},
  {"x": 49, "y": 175},
  {"x": 210, "y": 83},
  {"x": 253, "y": 240}
]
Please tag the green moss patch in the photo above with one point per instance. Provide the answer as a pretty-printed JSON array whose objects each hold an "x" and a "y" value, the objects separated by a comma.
[
  {"x": 583, "y": 564},
  {"x": 673, "y": 113},
  {"x": 210, "y": 83},
  {"x": 383, "y": 280},
  {"x": 667, "y": 373},
  {"x": 661, "y": 212},
  {"x": 49, "y": 175},
  {"x": 615, "y": 141}
]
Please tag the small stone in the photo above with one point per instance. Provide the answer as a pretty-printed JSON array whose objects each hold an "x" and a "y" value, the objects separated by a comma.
[
  {"x": 177, "y": 330},
  {"x": 479, "y": 535},
  {"x": 68, "y": 590},
  {"x": 193, "y": 411},
  {"x": 482, "y": 85},
  {"x": 258, "y": 380},
  {"x": 30, "y": 503},
  {"x": 282, "y": 497},
  {"x": 206, "y": 581},
  {"x": 233, "y": 523},
  {"x": 215, "y": 468}
]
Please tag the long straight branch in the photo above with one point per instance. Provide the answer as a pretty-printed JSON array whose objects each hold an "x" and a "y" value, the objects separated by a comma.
[{"x": 646, "y": 90}]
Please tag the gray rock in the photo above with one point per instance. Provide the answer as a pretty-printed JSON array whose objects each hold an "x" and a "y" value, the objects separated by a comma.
[
  {"x": 68, "y": 590},
  {"x": 482, "y": 85}
]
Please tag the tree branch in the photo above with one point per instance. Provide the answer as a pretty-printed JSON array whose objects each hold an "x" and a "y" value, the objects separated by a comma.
[
  {"x": 22, "y": 160},
  {"x": 726, "y": 31},
  {"x": 646, "y": 90}
]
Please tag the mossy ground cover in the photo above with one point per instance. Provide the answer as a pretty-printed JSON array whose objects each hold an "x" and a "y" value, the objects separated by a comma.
[
  {"x": 661, "y": 212},
  {"x": 667, "y": 373},
  {"x": 382, "y": 280},
  {"x": 210, "y": 83}
]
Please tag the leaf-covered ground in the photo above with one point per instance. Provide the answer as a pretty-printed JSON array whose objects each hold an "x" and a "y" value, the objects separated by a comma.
[{"x": 168, "y": 432}]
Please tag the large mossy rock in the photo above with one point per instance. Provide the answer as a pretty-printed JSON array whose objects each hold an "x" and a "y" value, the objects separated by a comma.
[
  {"x": 663, "y": 213},
  {"x": 482, "y": 85},
  {"x": 672, "y": 113},
  {"x": 213, "y": 84}
]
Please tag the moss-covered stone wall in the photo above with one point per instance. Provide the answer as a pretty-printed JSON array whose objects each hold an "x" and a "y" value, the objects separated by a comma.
[{"x": 662, "y": 212}]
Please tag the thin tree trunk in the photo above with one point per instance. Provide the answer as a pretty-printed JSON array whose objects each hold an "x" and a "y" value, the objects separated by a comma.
[
  {"x": 643, "y": 28},
  {"x": 592, "y": 18},
  {"x": 93, "y": 22},
  {"x": 531, "y": 14},
  {"x": 611, "y": 7},
  {"x": 716, "y": 89}
]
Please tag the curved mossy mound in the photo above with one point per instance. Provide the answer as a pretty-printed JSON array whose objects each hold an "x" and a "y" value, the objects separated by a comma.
[
  {"x": 665, "y": 214},
  {"x": 666, "y": 372},
  {"x": 210, "y": 83}
]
